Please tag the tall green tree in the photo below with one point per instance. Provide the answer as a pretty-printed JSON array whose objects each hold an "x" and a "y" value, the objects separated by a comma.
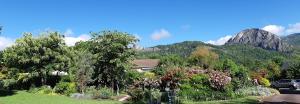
[
  {"x": 84, "y": 69},
  {"x": 274, "y": 70},
  {"x": 293, "y": 71},
  {"x": 113, "y": 52},
  {"x": 38, "y": 56}
]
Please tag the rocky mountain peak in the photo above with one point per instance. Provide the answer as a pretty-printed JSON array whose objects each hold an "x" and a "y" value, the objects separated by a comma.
[{"x": 259, "y": 38}]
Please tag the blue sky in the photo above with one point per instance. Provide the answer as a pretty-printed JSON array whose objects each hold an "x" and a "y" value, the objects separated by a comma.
[{"x": 154, "y": 21}]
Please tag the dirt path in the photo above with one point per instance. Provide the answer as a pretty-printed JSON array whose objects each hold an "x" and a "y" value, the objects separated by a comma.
[{"x": 282, "y": 99}]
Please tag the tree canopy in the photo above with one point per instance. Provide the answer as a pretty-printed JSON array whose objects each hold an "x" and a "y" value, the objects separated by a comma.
[
  {"x": 113, "y": 51},
  {"x": 37, "y": 56}
]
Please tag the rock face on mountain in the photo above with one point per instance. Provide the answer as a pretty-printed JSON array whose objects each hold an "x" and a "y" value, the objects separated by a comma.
[{"x": 260, "y": 38}]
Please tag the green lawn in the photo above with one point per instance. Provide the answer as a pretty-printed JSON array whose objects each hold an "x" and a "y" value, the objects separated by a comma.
[
  {"x": 23, "y": 97},
  {"x": 247, "y": 100}
]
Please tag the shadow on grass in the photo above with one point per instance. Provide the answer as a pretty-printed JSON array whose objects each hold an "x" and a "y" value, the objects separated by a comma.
[{"x": 6, "y": 93}]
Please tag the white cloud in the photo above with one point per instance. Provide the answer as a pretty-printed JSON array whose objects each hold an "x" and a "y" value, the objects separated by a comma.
[
  {"x": 160, "y": 34},
  {"x": 5, "y": 42},
  {"x": 275, "y": 29},
  {"x": 281, "y": 30},
  {"x": 220, "y": 41},
  {"x": 293, "y": 28},
  {"x": 71, "y": 41},
  {"x": 68, "y": 32}
]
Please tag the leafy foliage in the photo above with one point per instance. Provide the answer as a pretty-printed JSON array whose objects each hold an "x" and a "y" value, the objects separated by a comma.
[
  {"x": 113, "y": 54},
  {"x": 293, "y": 71},
  {"x": 265, "y": 82},
  {"x": 37, "y": 56},
  {"x": 203, "y": 56},
  {"x": 84, "y": 69},
  {"x": 241, "y": 54},
  {"x": 65, "y": 88}
]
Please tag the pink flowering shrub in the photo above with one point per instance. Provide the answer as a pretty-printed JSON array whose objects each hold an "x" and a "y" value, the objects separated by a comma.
[{"x": 218, "y": 79}]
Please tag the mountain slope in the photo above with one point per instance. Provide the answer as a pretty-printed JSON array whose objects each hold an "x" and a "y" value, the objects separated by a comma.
[
  {"x": 260, "y": 38},
  {"x": 240, "y": 53},
  {"x": 183, "y": 48},
  {"x": 293, "y": 39}
]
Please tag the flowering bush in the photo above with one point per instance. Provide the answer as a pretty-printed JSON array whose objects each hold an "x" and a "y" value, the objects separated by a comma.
[
  {"x": 218, "y": 79},
  {"x": 173, "y": 77}
]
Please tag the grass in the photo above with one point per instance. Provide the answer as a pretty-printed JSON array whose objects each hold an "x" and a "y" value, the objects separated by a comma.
[
  {"x": 23, "y": 97},
  {"x": 246, "y": 100}
]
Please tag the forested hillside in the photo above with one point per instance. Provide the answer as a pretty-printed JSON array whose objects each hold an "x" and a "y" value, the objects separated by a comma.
[
  {"x": 293, "y": 39},
  {"x": 243, "y": 54}
]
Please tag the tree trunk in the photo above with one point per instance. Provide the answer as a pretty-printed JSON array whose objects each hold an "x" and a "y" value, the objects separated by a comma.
[
  {"x": 42, "y": 78},
  {"x": 112, "y": 86},
  {"x": 118, "y": 88}
]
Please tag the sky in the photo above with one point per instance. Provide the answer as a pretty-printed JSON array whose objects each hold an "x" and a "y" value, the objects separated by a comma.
[{"x": 154, "y": 22}]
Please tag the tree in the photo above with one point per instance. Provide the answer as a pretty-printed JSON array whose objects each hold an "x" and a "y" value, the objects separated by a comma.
[
  {"x": 293, "y": 71},
  {"x": 113, "y": 51},
  {"x": 273, "y": 70},
  {"x": 172, "y": 60},
  {"x": 38, "y": 56},
  {"x": 204, "y": 57},
  {"x": 169, "y": 61},
  {"x": 84, "y": 66}
]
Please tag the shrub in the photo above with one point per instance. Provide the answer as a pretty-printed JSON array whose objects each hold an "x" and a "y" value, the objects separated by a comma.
[
  {"x": 65, "y": 88},
  {"x": 241, "y": 83},
  {"x": 90, "y": 90},
  {"x": 172, "y": 78},
  {"x": 137, "y": 94},
  {"x": 42, "y": 90},
  {"x": 218, "y": 80},
  {"x": 198, "y": 88},
  {"x": 257, "y": 91},
  {"x": 149, "y": 75},
  {"x": 9, "y": 83},
  {"x": 45, "y": 90},
  {"x": 265, "y": 82},
  {"x": 105, "y": 93},
  {"x": 102, "y": 93}
]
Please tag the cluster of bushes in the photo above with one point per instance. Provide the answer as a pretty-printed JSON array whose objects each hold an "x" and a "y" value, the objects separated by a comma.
[
  {"x": 69, "y": 89},
  {"x": 186, "y": 84},
  {"x": 99, "y": 93},
  {"x": 257, "y": 91}
]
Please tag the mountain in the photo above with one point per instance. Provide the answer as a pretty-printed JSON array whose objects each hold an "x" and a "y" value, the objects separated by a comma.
[
  {"x": 183, "y": 48},
  {"x": 247, "y": 47},
  {"x": 240, "y": 53},
  {"x": 260, "y": 38},
  {"x": 293, "y": 39}
]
